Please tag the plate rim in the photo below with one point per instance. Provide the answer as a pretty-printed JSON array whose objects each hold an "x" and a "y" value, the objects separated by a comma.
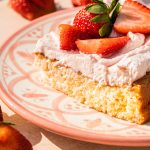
[{"x": 69, "y": 132}]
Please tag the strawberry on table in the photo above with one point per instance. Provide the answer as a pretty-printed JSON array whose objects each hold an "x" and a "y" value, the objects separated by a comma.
[
  {"x": 68, "y": 35},
  {"x": 11, "y": 139},
  {"x": 31, "y": 10},
  {"x": 97, "y": 18},
  {"x": 103, "y": 46},
  {"x": 133, "y": 17}
]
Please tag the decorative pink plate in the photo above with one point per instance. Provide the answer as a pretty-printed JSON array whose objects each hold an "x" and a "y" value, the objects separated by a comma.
[{"x": 21, "y": 90}]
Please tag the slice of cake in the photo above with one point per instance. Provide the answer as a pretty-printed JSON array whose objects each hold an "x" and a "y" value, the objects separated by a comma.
[{"x": 107, "y": 72}]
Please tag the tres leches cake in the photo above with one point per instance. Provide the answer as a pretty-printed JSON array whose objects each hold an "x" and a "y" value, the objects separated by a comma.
[{"x": 102, "y": 59}]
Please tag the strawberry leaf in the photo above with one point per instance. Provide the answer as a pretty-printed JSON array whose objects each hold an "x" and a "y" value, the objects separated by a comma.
[
  {"x": 7, "y": 123},
  {"x": 101, "y": 1},
  {"x": 105, "y": 30},
  {"x": 104, "y": 14},
  {"x": 115, "y": 13},
  {"x": 113, "y": 4},
  {"x": 100, "y": 19},
  {"x": 97, "y": 9}
]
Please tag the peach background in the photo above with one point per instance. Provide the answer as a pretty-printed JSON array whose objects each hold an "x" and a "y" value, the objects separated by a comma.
[{"x": 40, "y": 139}]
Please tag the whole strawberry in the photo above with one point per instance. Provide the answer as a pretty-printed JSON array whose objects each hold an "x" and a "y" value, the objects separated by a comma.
[
  {"x": 32, "y": 9},
  {"x": 11, "y": 139},
  {"x": 97, "y": 18}
]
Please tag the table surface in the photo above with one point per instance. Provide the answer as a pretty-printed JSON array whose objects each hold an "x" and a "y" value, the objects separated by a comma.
[{"x": 40, "y": 138}]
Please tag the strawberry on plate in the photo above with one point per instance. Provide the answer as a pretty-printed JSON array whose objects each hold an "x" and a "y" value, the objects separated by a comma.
[
  {"x": 93, "y": 21},
  {"x": 31, "y": 10},
  {"x": 68, "y": 35},
  {"x": 133, "y": 17},
  {"x": 103, "y": 46},
  {"x": 97, "y": 18}
]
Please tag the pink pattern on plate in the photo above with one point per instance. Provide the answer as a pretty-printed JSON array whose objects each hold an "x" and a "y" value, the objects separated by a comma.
[{"x": 93, "y": 123}]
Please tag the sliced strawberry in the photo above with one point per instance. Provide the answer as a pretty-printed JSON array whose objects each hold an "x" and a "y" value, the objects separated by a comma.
[
  {"x": 28, "y": 9},
  {"x": 103, "y": 46},
  {"x": 133, "y": 17},
  {"x": 68, "y": 35}
]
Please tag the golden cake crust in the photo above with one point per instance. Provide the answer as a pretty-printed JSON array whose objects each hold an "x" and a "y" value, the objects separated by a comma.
[{"x": 132, "y": 104}]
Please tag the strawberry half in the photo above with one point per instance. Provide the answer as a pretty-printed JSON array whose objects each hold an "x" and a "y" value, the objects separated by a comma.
[
  {"x": 68, "y": 35},
  {"x": 103, "y": 46},
  {"x": 133, "y": 17}
]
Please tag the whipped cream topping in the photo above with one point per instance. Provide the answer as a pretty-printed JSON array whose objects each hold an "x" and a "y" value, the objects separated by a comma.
[{"x": 128, "y": 65}]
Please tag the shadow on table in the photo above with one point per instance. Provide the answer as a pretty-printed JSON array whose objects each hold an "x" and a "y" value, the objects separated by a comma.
[
  {"x": 34, "y": 134},
  {"x": 70, "y": 144},
  {"x": 29, "y": 130}
]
